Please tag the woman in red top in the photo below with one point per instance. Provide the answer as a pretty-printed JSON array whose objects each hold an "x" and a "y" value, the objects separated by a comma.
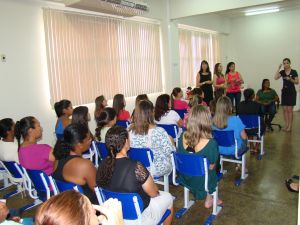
[
  {"x": 119, "y": 106},
  {"x": 219, "y": 78},
  {"x": 177, "y": 102},
  {"x": 234, "y": 81}
]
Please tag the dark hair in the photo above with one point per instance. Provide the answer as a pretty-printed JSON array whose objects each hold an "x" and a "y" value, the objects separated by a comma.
[
  {"x": 263, "y": 83},
  {"x": 107, "y": 115},
  {"x": 174, "y": 94},
  {"x": 99, "y": 105},
  {"x": 73, "y": 134},
  {"x": 5, "y": 126},
  {"x": 216, "y": 70},
  {"x": 201, "y": 70},
  {"x": 80, "y": 115},
  {"x": 140, "y": 97},
  {"x": 219, "y": 93},
  {"x": 286, "y": 59},
  {"x": 161, "y": 106},
  {"x": 115, "y": 140},
  {"x": 118, "y": 103},
  {"x": 60, "y": 106},
  {"x": 23, "y": 126},
  {"x": 248, "y": 94},
  {"x": 197, "y": 91},
  {"x": 228, "y": 66}
]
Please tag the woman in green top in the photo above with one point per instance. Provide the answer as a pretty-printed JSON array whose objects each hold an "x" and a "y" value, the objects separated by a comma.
[
  {"x": 198, "y": 140},
  {"x": 267, "y": 97}
]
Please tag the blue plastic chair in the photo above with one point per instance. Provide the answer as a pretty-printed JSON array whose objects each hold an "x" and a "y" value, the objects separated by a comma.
[
  {"x": 145, "y": 156},
  {"x": 65, "y": 186},
  {"x": 172, "y": 130},
  {"x": 254, "y": 122},
  {"x": 132, "y": 204},
  {"x": 194, "y": 166},
  {"x": 11, "y": 176},
  {"x": 226, "y": 139},
  {"x": 181, "y": 112},
  {"x": 103, "y": 152},
  {"x": 92, "y": 154},
  {"x": 123, "y": 123}
]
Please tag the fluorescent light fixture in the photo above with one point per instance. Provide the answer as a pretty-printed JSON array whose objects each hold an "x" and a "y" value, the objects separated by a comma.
[{"x": 253, "y": 12}]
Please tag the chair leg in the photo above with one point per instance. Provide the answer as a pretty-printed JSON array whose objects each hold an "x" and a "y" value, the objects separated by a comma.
[
  {"x": 222, "y": 167},
  {"x": 243, "y": 173},
  {"x": 166, "y": 183},
  {"x": 216, "y": 209},
  {"x": 187, "y": 204},
  {"x": 262, "y": 151}
]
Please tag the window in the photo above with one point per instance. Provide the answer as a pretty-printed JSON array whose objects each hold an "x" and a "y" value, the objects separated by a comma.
[
  {"x": 196, "y": 45},
  {"x": 90, "y": 55}
]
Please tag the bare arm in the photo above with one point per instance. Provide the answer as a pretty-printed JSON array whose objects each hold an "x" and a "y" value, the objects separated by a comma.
[
  {"x": 294, "y": 81},
  {"x": 241, "y": 78},
  {"x": 180, "y": 123},
  {"x": 150, "y": 187},
  {"x": 89, "y": 175},
  {"x": 243, "y": 135},
  {"x": 277, "y": 74},
  {"x": 198, "y": 80},
  {"x": 51, "y": 156}
]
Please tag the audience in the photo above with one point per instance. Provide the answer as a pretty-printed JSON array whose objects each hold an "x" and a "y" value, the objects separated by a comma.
[
  {"x": 204, "y": 81},
  {"x": 63, "y": 110},
  {"x": 198, "y": 140},
  {"x": 100, "y": 104},
  {"x": 71, "y": 167},
  {"x": 199, "y": 91},
  {"x": 105, "y": 120},
  {"x": 219, "y": 81},
  {"x": 136, "y": 179},
  {"x": 163, "y": 114},
  {"x": 249, "y": 106},
  {"x": 119, "y": 106},
  {"x": 33, "y": 156},
  {"x": 195, "y": 100},
  {"x": 145, "y": 134},
  {"x": 177, "y": 102},
  {"x": 138, "y": 98},
  {"x": 81, "y": 115},
  {"x": 8, "y": 146},
  {"x": 217, "y": 94}
]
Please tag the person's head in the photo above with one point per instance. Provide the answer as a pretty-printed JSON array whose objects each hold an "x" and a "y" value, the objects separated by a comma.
[
  {"x": 117, "y": 141},
  {"x": 107, "y": 117},
  {"x": 265, "y": 85},
  {"x": 286, "y": 63},
  {"x": 7, "y": 129},
  {"x": 198, "y": 91},
  {"x": 140, "y": 98},
  {"x": 176, "y": 94},
  {"x": 219, "y": 93},
  {"x": 230, "y": 67},
  {"x": 162, "y": 106},
  {"x": 28, "y": 128},
  {"x": 249, "y": 94},
  {"x": 119, "y": 103},
  {"x": 63, "y": 107},
  {"x": 204, "y": 67},
  {"x": 81, "y": 115},
  {"x": 198, "y": 125},
  {"x": 68, "y": 207},
  {"x": 143, "y": 117},
  {"x": 218, "y": 69},
  {"x": 3, "y": 211},
  {"x": 195, "y": 100},
  {"x": 100, "y": 104},
  {"x": 77, "y": 138},
  {"x": 223, "y": 110}
]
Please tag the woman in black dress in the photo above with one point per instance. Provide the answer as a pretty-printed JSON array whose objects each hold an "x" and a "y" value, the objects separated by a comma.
[
  {"x": 288, "y": 92},
  {"x": 204, "y": 81}
]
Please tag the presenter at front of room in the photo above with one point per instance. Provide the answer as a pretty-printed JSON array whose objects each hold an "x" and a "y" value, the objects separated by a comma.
[
  {"x": 204, "y": 81},
  {"x": 288, "y": 92}
]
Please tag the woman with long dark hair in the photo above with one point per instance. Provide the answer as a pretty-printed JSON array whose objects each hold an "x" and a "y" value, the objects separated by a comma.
[
  {"x": 119, "y": 104},
  {"x": 63, "y": 110},
  {"x": 204, "y": 80},
  {"x": 100, "y": 104},
  {"x": 219, "y": 81},
  {"x": 105, "y": 121}
]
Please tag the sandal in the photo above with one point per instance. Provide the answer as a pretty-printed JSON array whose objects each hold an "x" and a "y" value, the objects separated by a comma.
[
  {"x": 209, "y": 204},
  {"x": 288, "y": 185}
]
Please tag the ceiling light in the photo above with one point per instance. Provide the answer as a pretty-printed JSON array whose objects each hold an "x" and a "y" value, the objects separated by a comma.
[{"x": 261, "y": 11}]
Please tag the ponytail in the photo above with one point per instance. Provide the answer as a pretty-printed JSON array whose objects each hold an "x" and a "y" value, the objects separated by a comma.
[
  {"x": 107, "y": 115},
  {"x": 22, "y": 127},
  {"x": 61, "y": 149}
]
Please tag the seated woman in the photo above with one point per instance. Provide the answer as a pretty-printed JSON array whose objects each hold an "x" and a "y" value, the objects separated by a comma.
[
  {"x": 198, "y": 140},
  {"x": 162, "y": 112},
  {"x": 105, "y": 120},
  {"x": 8, "y": 146},
  {"x": 138, "y": 98},
  {"x": 33, "y": 156},
  {"x": 71, "y": 167},
  {"x": 100, "y": 104},
  {"x": 267, "y": 97},
  {"x": 224, "y": 121},
  {"x": 194, "y": 100},
  {"x": 63, "y": 110},
  {"x": 177, "y": 102},
  {"x": 81, "y": 115},
  {"x": 199, "y": 91},
  {"x": 145, "y": 134},
  {"x": 136, "y": 179},
  {"x": 217, "y": 94},
  {"x": 119, "y": 106},
  {"x": 249, "y": 106}
]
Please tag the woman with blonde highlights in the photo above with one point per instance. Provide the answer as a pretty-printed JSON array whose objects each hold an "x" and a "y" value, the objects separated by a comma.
[{"x": 198, "y": 140}]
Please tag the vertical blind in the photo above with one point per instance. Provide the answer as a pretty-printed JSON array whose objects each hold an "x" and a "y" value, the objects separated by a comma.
[
  {"x": 92, "y": 55},
  {"x": 195, "y": 46}
]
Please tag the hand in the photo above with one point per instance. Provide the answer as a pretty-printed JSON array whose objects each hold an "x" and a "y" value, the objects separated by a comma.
[
  {"x": 16, "y": 219},
  {"x": 287, "y": 78},
  {"x": 112, "y": 212}
]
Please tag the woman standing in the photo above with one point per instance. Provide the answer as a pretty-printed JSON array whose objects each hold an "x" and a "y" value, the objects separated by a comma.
[
  {"x": 288, "y": 92},
  {"x": 219, "y": 79},
  {"x": 234, "y": 81},
  {"x": 204, "y": 81}
]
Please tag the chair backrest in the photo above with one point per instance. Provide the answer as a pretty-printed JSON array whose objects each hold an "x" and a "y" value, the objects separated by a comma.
[
  {"x": 224, "y": 138},
  {"x": 181, "y": 112},
  {"x": 132, "y": 204},
  {"x": 102, "y": 150},
  {"x": 250, "y": 121},
  {"x": 144, "y": 155},
  {"x": 171, "y": 129},
  {"x": 123, "y": 123},
  {"x": 10, "y": 167},
  {"x": 65, "y": 186}
]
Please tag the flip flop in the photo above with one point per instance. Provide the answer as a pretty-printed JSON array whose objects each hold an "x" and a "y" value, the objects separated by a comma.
[{"x": 288, "y": 185}]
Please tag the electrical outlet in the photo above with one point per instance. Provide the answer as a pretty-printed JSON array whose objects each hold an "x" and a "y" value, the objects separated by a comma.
[{"x": 3, "y": 58}]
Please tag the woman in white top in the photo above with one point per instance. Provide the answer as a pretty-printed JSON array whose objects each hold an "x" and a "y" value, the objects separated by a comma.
[
  {"x": 162, "y": 112},
  {"x": 106, "y": 119},
  {"x": 145, "y": 134},
  {"x": 8, "y": 146}
]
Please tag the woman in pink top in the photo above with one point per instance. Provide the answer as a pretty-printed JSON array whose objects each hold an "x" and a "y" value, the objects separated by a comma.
[
  {"x": 176, "y": 99},
  {"x": 219, "y": 79},
  {"x": 33, "y": 156},
  {"x": 119, "y": 106},
  {"x": 234, "y": 81}
]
